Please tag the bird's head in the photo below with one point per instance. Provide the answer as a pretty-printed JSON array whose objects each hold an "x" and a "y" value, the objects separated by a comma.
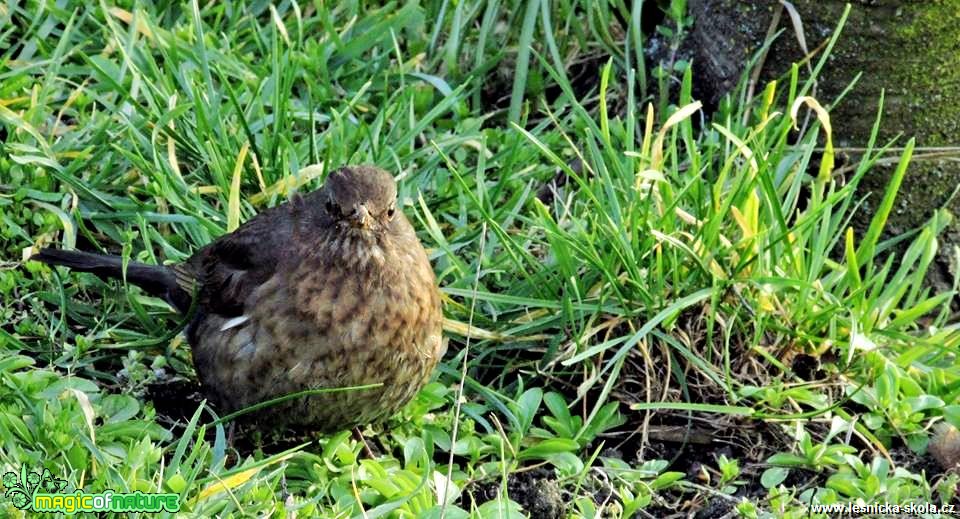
[{"x": 361, "y": 200}]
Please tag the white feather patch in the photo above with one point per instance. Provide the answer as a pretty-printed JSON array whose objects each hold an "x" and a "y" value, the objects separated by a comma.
[{"x": 234, "y": 322}]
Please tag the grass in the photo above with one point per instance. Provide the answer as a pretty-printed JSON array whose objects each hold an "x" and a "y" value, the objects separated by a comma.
[{"x": 647, "y": 309}]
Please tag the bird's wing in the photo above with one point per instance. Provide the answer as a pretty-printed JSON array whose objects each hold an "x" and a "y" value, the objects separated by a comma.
[{"x": 231, "y": 267}]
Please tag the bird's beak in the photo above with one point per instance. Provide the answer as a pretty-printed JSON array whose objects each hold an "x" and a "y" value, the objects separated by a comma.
[{"x": 360, "y": 218}]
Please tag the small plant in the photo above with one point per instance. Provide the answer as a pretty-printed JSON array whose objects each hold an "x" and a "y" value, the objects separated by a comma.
[
  {"x": 729, "y": 471},
  {"x": 878, "y": 482},
  {"x": 898, "y": 404},
  {"x": 815, "y": 455},
  {"x": 136, "y": 375}
]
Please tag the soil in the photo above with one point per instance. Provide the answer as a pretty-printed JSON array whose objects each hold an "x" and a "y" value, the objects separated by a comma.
[
  {"x": 175, "y": 401},
  {"x": 537, "y": 491}
]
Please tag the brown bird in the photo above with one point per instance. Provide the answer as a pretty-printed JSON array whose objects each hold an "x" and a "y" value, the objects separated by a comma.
[
  {"x": 329, "y": 290},
  {"x": 944, "y": 446}
]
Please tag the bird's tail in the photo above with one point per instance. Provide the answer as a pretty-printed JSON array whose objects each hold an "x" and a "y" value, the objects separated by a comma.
[{"x": 158, "y": 281}]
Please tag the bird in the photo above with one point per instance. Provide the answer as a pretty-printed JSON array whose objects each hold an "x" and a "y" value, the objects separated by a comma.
[
  {"x": 944, "y": 446},
  {"x": 331, "y": 289}
]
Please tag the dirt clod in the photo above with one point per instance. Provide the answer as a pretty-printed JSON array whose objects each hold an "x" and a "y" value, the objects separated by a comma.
[{"x": 536, "y": 491}]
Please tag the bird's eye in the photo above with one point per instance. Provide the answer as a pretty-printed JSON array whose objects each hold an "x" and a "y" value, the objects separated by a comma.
[
  {"x": 392, "y": 211},
  {"x": 332, "y": 208}
]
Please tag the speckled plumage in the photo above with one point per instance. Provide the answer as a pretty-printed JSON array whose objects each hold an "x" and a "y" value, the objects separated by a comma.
[
  {"x": 330, "y": 290},
  {"x": 945, "y": 446}
]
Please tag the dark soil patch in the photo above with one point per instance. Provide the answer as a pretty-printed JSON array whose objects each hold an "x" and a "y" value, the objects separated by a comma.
[
  {"x": 904, "y": 457},
  {"x": 715, "y": 508},
  {"x": 693, "y": 445},
  {"x": 175, "y": 401},
  {"x": 536, "y": 491}
]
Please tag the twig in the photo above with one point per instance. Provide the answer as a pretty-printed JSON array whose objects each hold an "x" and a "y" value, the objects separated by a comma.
[{"x": 463, "y": 377}]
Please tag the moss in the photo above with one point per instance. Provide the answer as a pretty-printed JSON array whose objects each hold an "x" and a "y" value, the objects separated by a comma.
[
  {"x": 917, "y": 64},
  {"x": 931, "y": 83},
  {"x": 909, "y": 50}
]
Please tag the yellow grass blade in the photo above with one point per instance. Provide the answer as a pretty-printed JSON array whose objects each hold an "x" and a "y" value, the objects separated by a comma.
[
  {"x": 233, "y": 204},
  {"x": 238, "y": 479},
  {"x": 288, "y": 183},
  {"x": 679, "y": 116},
  {"x": 826, "y": 164}
]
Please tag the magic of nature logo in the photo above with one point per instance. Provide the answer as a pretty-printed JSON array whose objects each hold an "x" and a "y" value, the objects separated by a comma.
[{"x": 42, "y": 492}]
